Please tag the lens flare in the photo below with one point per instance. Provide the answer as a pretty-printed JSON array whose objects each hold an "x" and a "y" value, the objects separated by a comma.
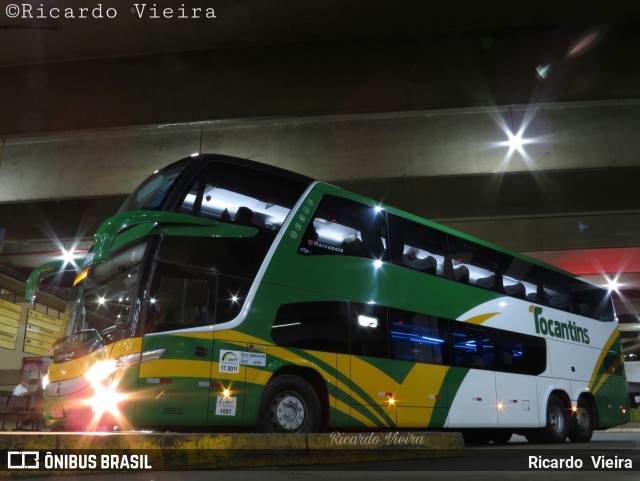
[{"x": 104, "y": 378}]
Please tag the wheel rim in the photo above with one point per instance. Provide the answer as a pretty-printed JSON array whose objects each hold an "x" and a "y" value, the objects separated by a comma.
[
  {"x": 288, "y": 412},
  {"x": 583, "y": 420},
  {"x": 556, "y": 419}
]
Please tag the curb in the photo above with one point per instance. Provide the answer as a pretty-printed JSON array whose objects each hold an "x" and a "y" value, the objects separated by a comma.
[
  {"x": 178, "y": 451},
  {"x": 633, "y": 427}
]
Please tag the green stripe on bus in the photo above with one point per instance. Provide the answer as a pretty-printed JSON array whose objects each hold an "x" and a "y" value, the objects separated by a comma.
[{"x": 450, "y": 386}]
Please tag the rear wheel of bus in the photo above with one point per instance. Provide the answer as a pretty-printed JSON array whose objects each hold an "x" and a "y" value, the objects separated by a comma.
[
  {"x": 581, "y": 422},
  {"x": 289, "y": 405},
  {"x": 557, "y": 426}
]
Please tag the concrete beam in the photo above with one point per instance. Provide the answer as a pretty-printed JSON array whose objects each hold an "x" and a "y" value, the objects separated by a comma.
[{"x": 591, "y": 135}]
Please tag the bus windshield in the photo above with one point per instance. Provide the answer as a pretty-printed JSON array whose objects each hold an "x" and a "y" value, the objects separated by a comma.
[
  {"x": 101, "y": 303},
  {"x": 152, "y": 192}
]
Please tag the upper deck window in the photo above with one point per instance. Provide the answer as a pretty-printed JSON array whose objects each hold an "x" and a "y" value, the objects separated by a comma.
[
  {"x": 241, "y": 195},
  {"x": 345, "y": 227}
]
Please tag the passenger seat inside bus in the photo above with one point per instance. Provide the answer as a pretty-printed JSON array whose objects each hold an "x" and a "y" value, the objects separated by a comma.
[
  {"x": 486, "y": 282},
  {"x": 560, "y": 301},
  {"x": 516, "y": 290},
  {"x": 427, "y": 265},
  {"x": 507, "y": 359},
  {"x": 461, "y": 274},
  {"x": 244, "y": 216}
]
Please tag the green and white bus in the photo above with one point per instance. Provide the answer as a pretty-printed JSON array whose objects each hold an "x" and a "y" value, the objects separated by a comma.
[{"x": 229, "y": 295}]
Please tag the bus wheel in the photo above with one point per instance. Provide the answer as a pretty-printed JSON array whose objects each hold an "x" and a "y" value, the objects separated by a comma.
[
  {"x": 557, "y": 421},
  {"x": 581, "y": 423},
  {"x": 289, "y": 405}
]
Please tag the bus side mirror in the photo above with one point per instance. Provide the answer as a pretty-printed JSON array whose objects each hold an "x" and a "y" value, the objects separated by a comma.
[{"x": 41, "y": 272}]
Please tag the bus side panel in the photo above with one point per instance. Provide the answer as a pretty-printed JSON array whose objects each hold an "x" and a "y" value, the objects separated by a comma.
[
  {"x": 517, "y": 400},
  {"x": 227, "y": 393},
  {"x": 612, "y": 400},
  {"x": 572, "y": 361},
  {"x": 422, "y": 397},
  {"x": 173, "y": 390},
  {"x": 340, "y": 414},
  {"x": 371, "y": 389},
  {"x": 474, "y": 405},
  {"x": 609, "y": 385}
]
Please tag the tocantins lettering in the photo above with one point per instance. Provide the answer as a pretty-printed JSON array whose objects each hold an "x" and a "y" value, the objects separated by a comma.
[{"x": 569, "y": 331}]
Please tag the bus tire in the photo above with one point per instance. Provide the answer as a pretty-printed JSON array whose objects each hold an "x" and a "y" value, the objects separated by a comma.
[
  {"x": 557, "y": 425},
  {"x": 581, "y": 423},
  {"x": 289, "y": 405}
]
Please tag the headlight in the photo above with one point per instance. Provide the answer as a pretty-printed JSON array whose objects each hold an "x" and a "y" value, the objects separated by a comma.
[
  {"x": 45, "y": 381},
  {"x": 100, "y": 371}
]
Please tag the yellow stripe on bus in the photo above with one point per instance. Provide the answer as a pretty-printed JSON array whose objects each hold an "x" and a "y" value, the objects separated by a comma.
[
  {"x": 340, "y": 406},
  {"x": 165, "y": 368},
  {"x": 372, "y": 381},
  {"x": 77, "y": 367},
  {"x": 605, "y": 350},
  {"x": 133, "y": 345},
  {"x": 481, "y": 318}
]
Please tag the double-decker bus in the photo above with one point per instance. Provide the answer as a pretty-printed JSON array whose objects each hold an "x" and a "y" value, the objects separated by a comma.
[{"x": 227, "y": 294}]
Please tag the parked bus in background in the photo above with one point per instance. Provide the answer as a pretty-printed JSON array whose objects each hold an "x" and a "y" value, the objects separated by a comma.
[{"x": 228, "y": 294}]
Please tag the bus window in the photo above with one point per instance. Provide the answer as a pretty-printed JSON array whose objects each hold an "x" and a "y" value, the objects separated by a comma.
[
  {"x": 418, "y": 337},
  {"x": 368, "y": 331},
  {"x": 179, "y": 298},
  {"x": 345, "y": 227},
  {"x": 559, "y": 289},
  {"x": 522, "y": 354},
  {"x": 235, "y": 257},
  {"x": 520, "y": 279},
  {"x": 473, "y": 347},
  {"x": 182, "y": 297},
  {"x": 594, "y": 303},
  {"x": 151, "y": 194},
  {"x": 319, "y": 326},
  {"x": 230, "y": 297},
  {"x": 231, "y": 194},
  {"x": 573, "y": 295},
  {"x": 474, "y": 264},
  {"x": 417, "y": 246}
]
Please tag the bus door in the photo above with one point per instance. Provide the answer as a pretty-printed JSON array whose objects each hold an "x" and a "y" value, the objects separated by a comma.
[
  {"x": 232, "y": 356},
  {"x": 174, "y": 383},
  {"x": 521, "y": 358},
  {"x": 372, "y": 386}
]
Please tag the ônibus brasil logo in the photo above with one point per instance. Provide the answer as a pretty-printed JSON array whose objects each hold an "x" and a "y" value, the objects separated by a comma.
[{"x": 561, "y": 330}]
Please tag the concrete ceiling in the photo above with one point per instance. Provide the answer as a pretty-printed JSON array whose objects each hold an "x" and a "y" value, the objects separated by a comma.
[{"x": 35, "y": 36}]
